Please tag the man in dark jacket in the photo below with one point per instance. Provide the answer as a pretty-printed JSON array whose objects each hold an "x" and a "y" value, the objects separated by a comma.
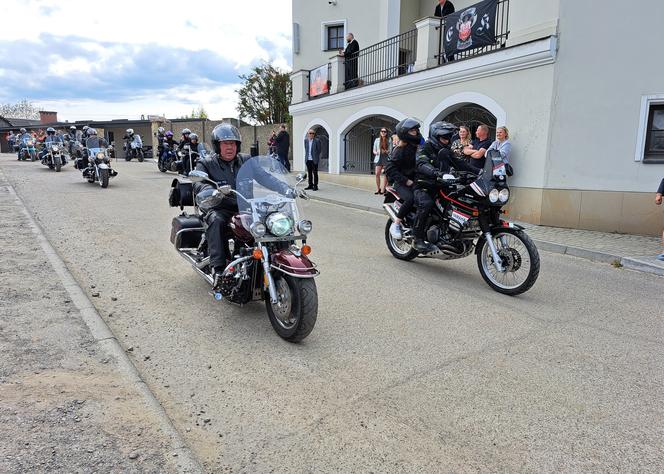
[
  {"x": 350, "y": 55},
  {"x": 282, "y": 141},
  {"x": 312, "y": 149},
  {"x": 658, "y": 201},
  {"x": 222, "y": 167},
  {"x": 444, "y": 8}
]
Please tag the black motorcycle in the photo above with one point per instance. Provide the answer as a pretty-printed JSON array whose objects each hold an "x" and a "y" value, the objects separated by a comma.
[
  {"x": 466, "y": 218},
  {"x": 167, "y": 159}
]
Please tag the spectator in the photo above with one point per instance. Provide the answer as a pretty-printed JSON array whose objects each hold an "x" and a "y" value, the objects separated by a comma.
[
  {"x": 282, "y": 141},
  {"x": 478, "y": 147},
  {"x": 395, "y": 140},
  {"x": 381, "y": 149},
  {"x": 444, "y": 8},
  {"x": 11, "y": 139},
  {"x": 312, "y": 149},
  {"x": 272, "y": 144},
  {"x": 462, "y": 142},
  {"x": 350, "y": 55},
  {"x": 658, "y": 201},
  {"x": 502, "y": 143}
]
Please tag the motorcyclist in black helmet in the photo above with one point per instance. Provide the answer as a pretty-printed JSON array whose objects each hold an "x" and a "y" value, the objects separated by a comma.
[
  {"x": 222, "y": 166},
  {"x": 400, "y": 169},
  {"x": 51, "y": 137},
  {"x": 434, "y": 160}
]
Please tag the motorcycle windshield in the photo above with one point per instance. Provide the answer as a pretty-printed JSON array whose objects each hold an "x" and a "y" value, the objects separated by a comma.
[
  {"x": 266, "y": 188},
  {"x": 495, "y": 166},
  {"x": 93, "y": 142}
]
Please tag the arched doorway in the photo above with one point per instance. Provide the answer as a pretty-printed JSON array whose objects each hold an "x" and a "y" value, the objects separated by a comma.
[
  {"x": 471, "y": 115},
  {"x": 324, "y": 137},
  {"x": 358, "y": 143}
]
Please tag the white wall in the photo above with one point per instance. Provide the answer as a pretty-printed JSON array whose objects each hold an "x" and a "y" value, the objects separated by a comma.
[{"x": 600, "y": 79}]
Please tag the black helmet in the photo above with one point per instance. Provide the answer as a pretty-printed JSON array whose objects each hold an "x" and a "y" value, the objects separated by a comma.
[
  {"x": 23, "y": 130},
  {"x": 404, "y": 126},
  {"x": 439, "y": 130},
  {"x": 193, "y": 137},
  {"x": 50, "y": 131},
  {"x": 72, "y": 128},
  {"x": 186, "y": 131},
  {"x": 92, "y": 131},
  {"x": 225, "y": 132}
]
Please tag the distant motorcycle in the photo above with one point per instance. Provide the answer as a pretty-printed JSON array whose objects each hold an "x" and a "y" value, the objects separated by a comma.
[
  {"x": 166, "y": 161},
  {"x": 266, "y": 262},
  {"x": 187, "y": 160},
  {"x": 28, "y": 150},
  {"x": 55, "y": 156},
  {"x": 98, "y": 167},
  {"x": 466, "y": 218},
  {"x": 134, "y": 149}
]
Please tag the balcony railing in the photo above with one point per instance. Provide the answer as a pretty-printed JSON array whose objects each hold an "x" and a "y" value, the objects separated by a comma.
[
  {"x": 502, "y": 32},
  {"x": 382, "y": 61}
]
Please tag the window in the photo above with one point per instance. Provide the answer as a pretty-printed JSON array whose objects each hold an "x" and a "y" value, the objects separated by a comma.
[
  {"x": 654, "y": 149},
  {"x": 335, "y": 37}
]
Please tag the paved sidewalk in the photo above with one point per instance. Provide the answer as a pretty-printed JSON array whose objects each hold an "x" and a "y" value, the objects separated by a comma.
[
  {"x": 70, "y": 400},
  {"x": 631, "y": 251}
]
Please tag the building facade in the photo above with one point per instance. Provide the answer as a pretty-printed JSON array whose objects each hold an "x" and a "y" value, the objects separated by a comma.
[{"x": 577, "y": 86}]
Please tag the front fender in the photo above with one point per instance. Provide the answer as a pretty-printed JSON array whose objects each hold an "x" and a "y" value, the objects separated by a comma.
[
  {"x": 299, "y": 266},
  {"x": 103, "y": 166}
]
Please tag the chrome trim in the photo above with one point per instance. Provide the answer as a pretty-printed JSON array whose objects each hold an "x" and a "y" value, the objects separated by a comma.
[
  {"x": 200, "y": 272},
  {"x": 270, "y": 281},
  {"x": 494, "y": 252},
  {"x": 390, "y": 211},
  {"x": 281, "y": 239},
  {"x": 178, "y": 237},
  {"x": 297, "y": 275},
  {"x": 235, "y": 262}
]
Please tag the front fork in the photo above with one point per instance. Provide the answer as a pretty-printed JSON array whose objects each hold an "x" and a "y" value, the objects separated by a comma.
[
  {"x": 494, "y": 252},
  {"x": 270, "y": 281}
]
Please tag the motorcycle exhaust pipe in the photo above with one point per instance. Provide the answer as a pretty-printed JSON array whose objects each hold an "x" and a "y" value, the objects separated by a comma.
[{"x": 390, "y": 212}]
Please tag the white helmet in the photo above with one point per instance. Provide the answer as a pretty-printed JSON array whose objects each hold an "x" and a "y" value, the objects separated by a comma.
[{"x": 130, "y": 131}]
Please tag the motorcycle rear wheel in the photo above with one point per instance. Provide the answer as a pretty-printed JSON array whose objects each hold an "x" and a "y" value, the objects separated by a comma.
[
  {"x": 294, "y": 317},
  {"x": 400, "y": 249},
  {"x": 517, "y": 252},
  {"x": 139, "y": 156}
]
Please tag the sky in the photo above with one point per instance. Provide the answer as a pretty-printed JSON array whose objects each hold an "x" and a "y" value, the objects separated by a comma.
[{"x": 124, "y": 59}]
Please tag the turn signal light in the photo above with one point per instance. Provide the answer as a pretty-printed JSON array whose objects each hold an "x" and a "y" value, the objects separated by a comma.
[
  {"x": 306, "y": 250},
  {"x": 258, "y": 254}
]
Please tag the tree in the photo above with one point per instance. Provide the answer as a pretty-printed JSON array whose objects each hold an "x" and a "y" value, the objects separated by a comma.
[
  {"x": 265, "y": 95},
  {"x": 196, "y": 114},
  {"x": 23, "y": 109}
]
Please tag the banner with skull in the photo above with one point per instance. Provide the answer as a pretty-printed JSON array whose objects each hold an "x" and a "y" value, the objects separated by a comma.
[{"x": 470, "y": 28}]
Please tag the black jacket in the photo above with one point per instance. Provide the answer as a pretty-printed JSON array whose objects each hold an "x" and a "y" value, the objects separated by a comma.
[
  {"x": 430, "y": 163},
  {"x": 447, "y": 9},
  {"x": 401, "y": 164},
  {"x": 283, "y": 143},
  {"x": 661, "y": 188},
  {"x": 183, "y": 142}
]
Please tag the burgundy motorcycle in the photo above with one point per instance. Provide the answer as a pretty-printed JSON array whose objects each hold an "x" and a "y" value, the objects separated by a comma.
[{"x": 267, "y": 243}]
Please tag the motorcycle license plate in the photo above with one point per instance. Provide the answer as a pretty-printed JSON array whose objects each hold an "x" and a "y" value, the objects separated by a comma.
[{"x": 459, "y": 217}]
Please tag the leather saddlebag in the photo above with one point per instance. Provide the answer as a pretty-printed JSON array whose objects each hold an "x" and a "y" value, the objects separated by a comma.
[{"x": 186, "y": 231}]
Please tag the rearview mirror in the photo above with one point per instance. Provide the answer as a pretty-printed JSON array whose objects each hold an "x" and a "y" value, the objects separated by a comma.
[{"x": 197, "y": 176}]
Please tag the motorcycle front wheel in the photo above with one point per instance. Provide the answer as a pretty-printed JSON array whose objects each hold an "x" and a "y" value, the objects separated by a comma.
[
  {"x": 139, "y": 156},
  {"x": 58, "y": 164},
  {"x": 519, "y": 258},
  {"x": 104, "y": 176},
  {"x": 294, "y": 315},
  {"x": 33, "y": 156}
]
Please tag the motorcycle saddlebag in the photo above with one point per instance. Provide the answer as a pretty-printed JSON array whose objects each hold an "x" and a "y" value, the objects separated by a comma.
[
  {"x": 182, "y": 194},
  {"x": 186, "y": 231}
]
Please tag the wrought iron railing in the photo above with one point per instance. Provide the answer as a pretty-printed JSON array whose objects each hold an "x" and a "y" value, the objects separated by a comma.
[
  {"x": 382, "y": 61},
  {"x": 501, "y": 29},
  {"x": 319, "y": 81}
]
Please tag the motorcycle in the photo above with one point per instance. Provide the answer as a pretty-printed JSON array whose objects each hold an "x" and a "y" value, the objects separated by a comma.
[
  {"x": 134, "y": 149},
  {"x": 466, "y": 217},
  {"x": 266, "y": 263},
  {"x": 167, "y": 159},
  {"x": 27, "y": 150},
  {"x": 187, "y": 159},
  {"x": 98, "y": 165},
  {"x": 55, "y": 156}
]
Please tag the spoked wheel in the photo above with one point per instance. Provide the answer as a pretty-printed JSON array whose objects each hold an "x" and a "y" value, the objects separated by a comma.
[
  {"x": 104, "y": 176},
  {"x": 294, "y": 315},
  {"x": 401, "y": 249},
  {"x": 520, "y": 260}
]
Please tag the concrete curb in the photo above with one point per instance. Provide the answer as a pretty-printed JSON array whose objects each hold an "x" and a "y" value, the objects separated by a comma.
[
  {"x": 107, "y": 342},
  {"x": 632, "y": 263}
]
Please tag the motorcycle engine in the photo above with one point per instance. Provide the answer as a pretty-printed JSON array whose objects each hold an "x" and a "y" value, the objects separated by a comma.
[{"x": 236, "y": 284}]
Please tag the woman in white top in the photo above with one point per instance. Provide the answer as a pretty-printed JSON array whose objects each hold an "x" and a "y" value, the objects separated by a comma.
[
  {"x": 502, "y": 143},
  {"x": 381, "y": 149}
]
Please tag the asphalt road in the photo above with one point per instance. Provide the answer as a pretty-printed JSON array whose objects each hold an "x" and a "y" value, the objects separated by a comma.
[{"x": 412, "y": 367}]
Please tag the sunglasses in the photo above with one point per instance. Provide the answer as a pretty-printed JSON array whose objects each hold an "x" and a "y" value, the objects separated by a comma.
[{"x": 383, "y": 131}]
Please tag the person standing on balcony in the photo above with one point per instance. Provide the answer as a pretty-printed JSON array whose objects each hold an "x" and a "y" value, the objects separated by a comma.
[
  {"x": 658, "y": 201},
  {"x": 312, "y": 158},
  {"x": 350, "y": 55},
  {"x": 282, "y": 140},
  {"x": 381, "y": 149},
  {"x": 444, "y": 8}
]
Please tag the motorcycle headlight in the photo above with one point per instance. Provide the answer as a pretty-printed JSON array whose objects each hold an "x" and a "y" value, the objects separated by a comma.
[
  {"x": 504, "y": 195},
  {"x": 279, "y": 224},
  {"x": 258, "y": 229},
  {"x": 100, "y": 155},
  {"x": 55, "y": 148},
  {"x": 493, "y": 195},
  {"x": 304, "y": 226}
]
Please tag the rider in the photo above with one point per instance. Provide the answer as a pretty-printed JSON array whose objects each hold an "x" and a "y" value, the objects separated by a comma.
[
  {"x": 222, "y": 166},
  {"x": 197, "y": 146},
  {"x": 131, "y": 137},
  {"x": 400, "y": 169},
  {"x": 186, "y": 138},
  {"x": 161, "y": 136},
  {"x": 169, "y": 145},
  {"x": 92, "y": 141},
  {"x": 51, "y": 137},
  {"x": 23, "y": 137},
  {"x": 434, "y": 160}
]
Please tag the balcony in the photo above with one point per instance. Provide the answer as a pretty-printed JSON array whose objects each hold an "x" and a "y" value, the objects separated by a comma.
[{"x": 416, "y": 50}]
